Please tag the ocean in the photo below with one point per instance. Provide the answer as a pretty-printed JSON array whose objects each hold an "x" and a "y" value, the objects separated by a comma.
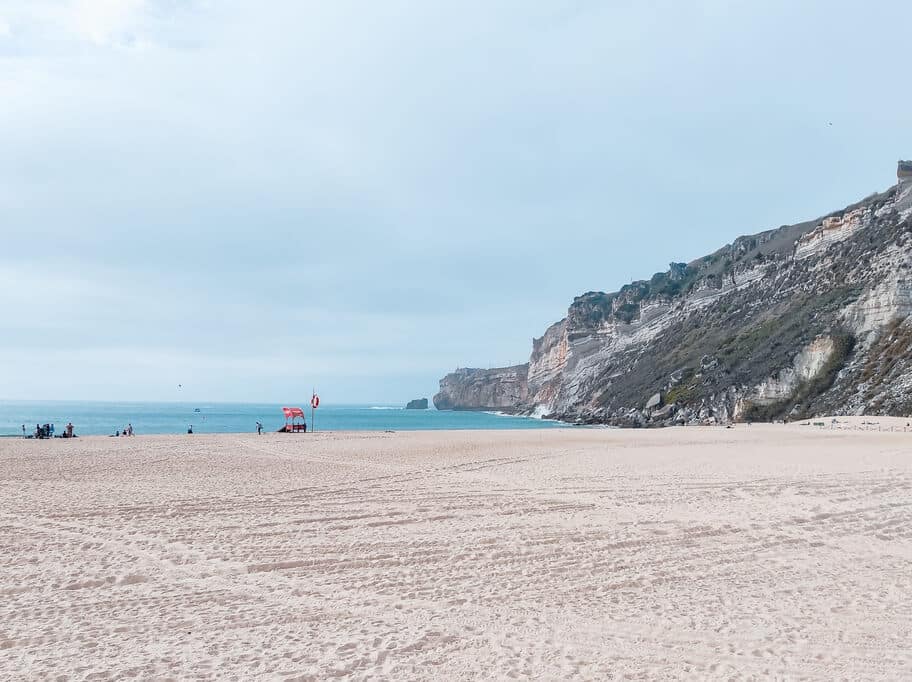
[{"x": 105, "y": 418}]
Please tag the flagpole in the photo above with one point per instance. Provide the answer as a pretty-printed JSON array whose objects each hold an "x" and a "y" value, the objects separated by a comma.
[{"x": 313, "y": 424}]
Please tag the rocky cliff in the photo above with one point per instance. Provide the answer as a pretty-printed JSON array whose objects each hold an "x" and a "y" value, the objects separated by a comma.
[
  {"x": 798, "y": 321},
  {"x": 504, "y": 389}
]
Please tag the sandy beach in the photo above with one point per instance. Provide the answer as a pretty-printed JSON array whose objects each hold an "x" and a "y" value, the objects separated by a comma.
[{"x": 762, "y": 551}]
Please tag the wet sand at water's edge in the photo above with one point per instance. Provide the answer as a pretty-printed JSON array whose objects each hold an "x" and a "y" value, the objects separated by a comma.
[{"x": 685, "y": 552}]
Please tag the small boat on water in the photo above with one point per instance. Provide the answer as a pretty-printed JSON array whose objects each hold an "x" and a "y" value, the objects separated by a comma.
[{"x": 196, "y": 409}]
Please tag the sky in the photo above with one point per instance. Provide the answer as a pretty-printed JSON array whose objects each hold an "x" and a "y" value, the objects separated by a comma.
[{"x": 225, "y": 200}]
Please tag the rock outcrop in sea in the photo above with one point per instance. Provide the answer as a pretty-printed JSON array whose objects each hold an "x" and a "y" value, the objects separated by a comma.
[
  {"x": 504, "y": 389},
  {"x": 417, "y": 404},
  {"x": 802, "y": 320}
]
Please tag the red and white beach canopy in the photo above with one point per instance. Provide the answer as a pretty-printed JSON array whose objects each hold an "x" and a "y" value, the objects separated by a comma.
[{"x": 292, "y": 412}]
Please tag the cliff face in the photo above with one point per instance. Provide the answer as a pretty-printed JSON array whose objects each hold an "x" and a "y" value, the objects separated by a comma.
[
  {"x": 503, "y": 389},
  {"x": 802, "y": 320}
]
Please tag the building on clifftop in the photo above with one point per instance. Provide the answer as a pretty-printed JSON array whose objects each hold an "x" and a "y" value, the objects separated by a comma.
[{"x": 904, "y": 171}]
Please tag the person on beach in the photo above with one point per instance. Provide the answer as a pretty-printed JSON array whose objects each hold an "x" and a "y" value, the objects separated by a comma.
[
  {"x": 69, "y": 430},
  {"x": 259, "y": 429},
  {"x": 190, "y": 428},
  {"x": 129, "y": 429},
  {"x": 23, "y": 430}
]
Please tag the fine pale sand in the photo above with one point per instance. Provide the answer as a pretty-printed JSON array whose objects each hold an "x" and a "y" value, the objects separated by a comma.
[{"x": 690, "y": 552}]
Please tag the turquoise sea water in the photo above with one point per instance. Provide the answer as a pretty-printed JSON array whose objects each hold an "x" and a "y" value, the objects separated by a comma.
[{"x": 102, "y": 418}]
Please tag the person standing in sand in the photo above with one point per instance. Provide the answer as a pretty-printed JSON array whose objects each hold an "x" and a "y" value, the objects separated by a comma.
[
  {"x": 129, "y": 429},
  {"x": 259, "y": 428}
]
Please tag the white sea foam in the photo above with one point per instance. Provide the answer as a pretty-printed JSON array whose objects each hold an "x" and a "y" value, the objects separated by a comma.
[{"x": 539, "y": 412}]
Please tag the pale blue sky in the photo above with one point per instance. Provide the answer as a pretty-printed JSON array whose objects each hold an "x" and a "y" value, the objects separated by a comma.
[{"x": 251, "y": 198}]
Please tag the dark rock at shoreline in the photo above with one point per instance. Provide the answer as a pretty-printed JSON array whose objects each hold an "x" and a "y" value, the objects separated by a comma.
[{"x": 417, "y": 404}]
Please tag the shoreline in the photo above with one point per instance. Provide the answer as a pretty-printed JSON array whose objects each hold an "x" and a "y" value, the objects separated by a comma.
[
  {"x": 884, "y": 424},
  {"x": 103, "y": 419}
]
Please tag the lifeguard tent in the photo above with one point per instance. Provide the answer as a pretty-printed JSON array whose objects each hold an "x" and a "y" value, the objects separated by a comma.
[{"x": 292, "y": 414}]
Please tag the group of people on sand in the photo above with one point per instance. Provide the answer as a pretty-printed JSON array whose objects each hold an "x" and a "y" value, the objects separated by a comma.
[
  {"x": 127, "y": 431},
  {"x": 47, "y": 431}
]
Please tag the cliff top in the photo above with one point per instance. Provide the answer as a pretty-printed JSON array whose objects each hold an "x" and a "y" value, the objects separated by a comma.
[{"x": 591, "y": 308}]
